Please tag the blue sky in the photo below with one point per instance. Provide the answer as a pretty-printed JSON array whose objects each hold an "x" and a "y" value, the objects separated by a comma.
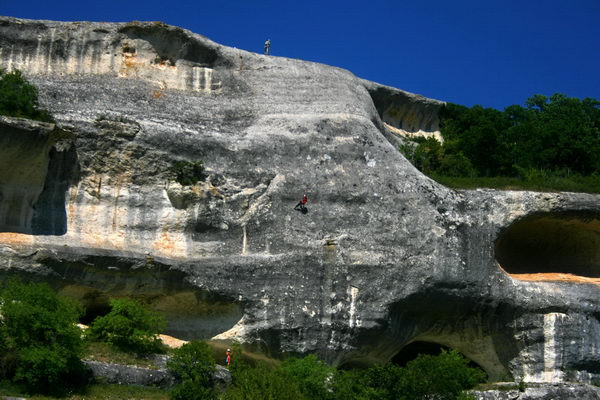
[{"x": 489, "y": 52}]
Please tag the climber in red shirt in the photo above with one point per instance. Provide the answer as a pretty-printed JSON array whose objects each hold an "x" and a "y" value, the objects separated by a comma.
[{"x": 301, "y": 206}]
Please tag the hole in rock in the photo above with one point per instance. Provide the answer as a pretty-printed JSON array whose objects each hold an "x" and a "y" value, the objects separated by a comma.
[
  {"x": 34, "y": 179},
  {"x": 191, "y": 313},
  {"x": 414, "y": 349},
  {"x": 552, "y": 243}
]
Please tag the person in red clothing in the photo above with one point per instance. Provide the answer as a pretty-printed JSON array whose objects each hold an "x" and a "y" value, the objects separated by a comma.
[
  {"x": 228, "y": 358},
  {"x": 301, "y": 206}
]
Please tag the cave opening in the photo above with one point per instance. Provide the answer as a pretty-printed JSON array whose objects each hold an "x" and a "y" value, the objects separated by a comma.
[
  {"x": 414, "y": 349},
  {"x": 552, "y": 243},
  {"x": 191, "y": 313}
]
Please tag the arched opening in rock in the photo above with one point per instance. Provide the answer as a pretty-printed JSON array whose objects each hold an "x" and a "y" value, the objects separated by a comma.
[
  {"x": 416, "y": 348},
  {"x": 550, "y": 244},
  {"x": 191, "y": 313}
]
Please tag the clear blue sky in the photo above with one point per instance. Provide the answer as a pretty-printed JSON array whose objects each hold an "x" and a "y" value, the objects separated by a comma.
[{"x": 489, "y": 52}]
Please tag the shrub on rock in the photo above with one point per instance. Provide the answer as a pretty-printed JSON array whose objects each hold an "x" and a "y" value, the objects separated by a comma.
[{"x": 19, "y": 98}]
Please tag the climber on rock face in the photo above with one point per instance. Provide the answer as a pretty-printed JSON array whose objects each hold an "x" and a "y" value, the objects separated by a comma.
[
  {"x": 268, "y": 47},
  {"x": 301, "y": 206}
]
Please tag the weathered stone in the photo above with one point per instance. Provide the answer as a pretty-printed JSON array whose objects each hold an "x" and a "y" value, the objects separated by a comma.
[
  {"x": 130, "y": 375},
  {"x": 541, "y": 392},
  {"x": 384, "y": 257},
  {"x": 138, "y": 376}
]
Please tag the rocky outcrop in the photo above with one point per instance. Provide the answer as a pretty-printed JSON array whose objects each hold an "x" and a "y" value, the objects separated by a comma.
[
  {"x": 540, "y": 392},
  {"x": 137, "y": 376},
  {"x": 129, "y": 375},
  {"x": 385, "y": 256}
]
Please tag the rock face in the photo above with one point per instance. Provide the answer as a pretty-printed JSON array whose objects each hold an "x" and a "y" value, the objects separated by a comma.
[
  {"x": 138, "y": 376},
  {"x": 385, "y": 256},
  {"x": 541, "y": 392}
]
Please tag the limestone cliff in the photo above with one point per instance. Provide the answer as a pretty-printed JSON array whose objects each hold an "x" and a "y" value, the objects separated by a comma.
[{"x": 384, "y": 258}]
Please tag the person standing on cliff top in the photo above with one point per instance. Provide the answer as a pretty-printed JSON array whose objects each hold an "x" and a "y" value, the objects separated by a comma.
[
  {"x": 268, "y": 47},
  {"x": 301, "y": 206}
]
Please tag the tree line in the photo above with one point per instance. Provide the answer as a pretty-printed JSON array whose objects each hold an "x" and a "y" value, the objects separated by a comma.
[{"x": 551, "y": 136}]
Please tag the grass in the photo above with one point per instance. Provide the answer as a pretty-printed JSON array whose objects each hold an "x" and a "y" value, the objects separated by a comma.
[
  {"x": 575, "y": 183},
  {"x": 252, "y": 358},
  {"x": 99, "y": 351},
  {"x": 94, "y": 392}
]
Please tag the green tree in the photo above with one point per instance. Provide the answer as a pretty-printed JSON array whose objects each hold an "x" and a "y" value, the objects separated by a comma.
[
  {"x": 19, "y": 98},
  {"x": 444, "y": 377},
  {"x": 41, "y": 342},
  {"x": 130, "y": 327},
  {"x": 262, "y": 383},
  {"x": 193, "y": 366},
  {"x": 312, "y": 375},
  {"x": 428, "y": 155}
]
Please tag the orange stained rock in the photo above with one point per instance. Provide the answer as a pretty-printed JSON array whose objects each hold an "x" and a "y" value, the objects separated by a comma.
[
  {"x": 16, "y": 239},
  {"x": 169, "y": 246},
  {"x": 555, "y": 277},
  {"x": 172, "y": 342}
]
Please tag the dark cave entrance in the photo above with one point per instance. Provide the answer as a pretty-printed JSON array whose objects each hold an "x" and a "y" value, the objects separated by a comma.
[
  {"x": 412, "y": 350},
  {"x": 416, "y": 348},
  {"x": 566, "y": 242},
  {"x": 191, "y": 313}
]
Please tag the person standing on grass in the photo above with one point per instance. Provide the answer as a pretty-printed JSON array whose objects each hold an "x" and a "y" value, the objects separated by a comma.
[{"x": 228, "y": 358}]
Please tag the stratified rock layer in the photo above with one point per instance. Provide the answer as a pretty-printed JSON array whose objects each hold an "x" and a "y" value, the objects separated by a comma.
[{"x": 384, "y": 257}]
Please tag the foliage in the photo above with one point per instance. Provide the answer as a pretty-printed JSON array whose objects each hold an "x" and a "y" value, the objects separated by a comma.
[
  {"x": 556, "y": 136},
  {"x": 194, "y": 366},
  {"x": 130, "y": 327},
  {"x": 262, "y": 383},
  {"x": 94, "y": 392},
  {"x": 354, "y": 385},
  {"x": 194, "y": 362},
  {"x": 41, "y": 341},
  {"x": 445, "y": 376},
  {"x": 19, "y": 98},
  {"x": 192, "y": 390},
  {"x": 188, "y": 173},
  {"x": 312, "y": 376}
]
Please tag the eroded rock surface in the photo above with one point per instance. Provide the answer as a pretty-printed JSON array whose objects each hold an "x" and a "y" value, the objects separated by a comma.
[{"x": 384, "y": 257}]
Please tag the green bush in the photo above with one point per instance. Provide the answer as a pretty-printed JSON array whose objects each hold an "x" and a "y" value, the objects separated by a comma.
[
  {"x": 194, "y": 366},
  {"x": 312, "y": 376},
  {"x": 193, "y": 362},
  {"x": 192, "y": 390},
  {"x": 188, "y": 173},
  {"x": 130, "y": 327},
  {"x": 354, "y": 385},
  {"x": 19, "y": 98},
  {"x": 444, "y": 376},
  {"x": 262, "y": 383},
  {"x": 41, "y": 342}
]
